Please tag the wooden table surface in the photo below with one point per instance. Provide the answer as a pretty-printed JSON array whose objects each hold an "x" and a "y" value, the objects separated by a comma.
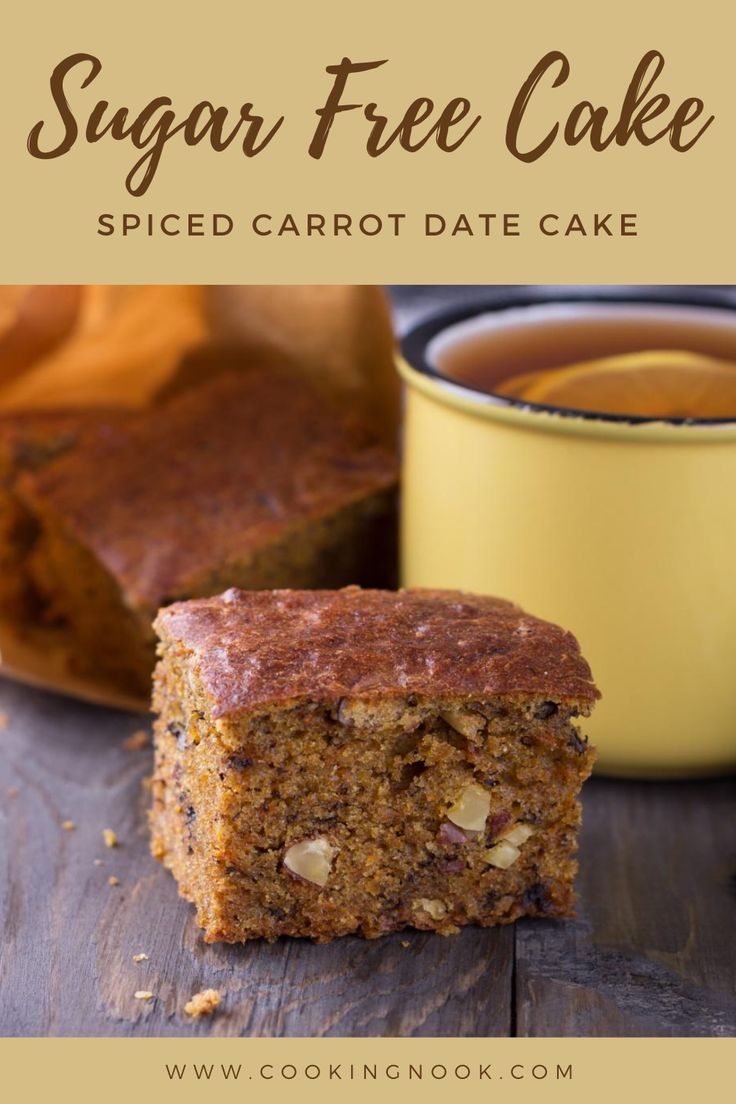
[{"x": 652, "y": 952}]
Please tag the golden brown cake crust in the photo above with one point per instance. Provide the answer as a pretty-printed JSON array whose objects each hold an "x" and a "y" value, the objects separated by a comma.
[
  {"x": 252, "y": 649},
  {"x": 31, "y": 438},
  {"x": 244, "y": 458}
]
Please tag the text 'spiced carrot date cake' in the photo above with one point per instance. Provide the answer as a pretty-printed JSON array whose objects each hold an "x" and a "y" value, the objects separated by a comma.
[
  {"x": 249, "y": 480},
  {"x": 362, "y": 761}
]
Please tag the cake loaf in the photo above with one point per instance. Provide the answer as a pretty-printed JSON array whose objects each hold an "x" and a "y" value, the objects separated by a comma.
[
  {"x": 28, "y": 441},
  {"x": 248, "y": 480},
  {"x": 365, "y": 761}
]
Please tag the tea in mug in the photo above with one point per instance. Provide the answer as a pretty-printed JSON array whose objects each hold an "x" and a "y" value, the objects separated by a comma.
[{"x": 628, "y": 361}]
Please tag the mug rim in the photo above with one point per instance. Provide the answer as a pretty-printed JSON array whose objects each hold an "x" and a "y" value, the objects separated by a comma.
[{"x": 416, "y": 368}]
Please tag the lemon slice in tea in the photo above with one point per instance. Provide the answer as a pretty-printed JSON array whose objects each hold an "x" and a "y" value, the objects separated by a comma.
[{"x": 651, "y": 384}]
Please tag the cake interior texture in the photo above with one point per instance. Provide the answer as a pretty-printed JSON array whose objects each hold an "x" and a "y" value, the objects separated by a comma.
[
  {"x": 366, "y": 761},
  {"x": 248, "y": 480}
]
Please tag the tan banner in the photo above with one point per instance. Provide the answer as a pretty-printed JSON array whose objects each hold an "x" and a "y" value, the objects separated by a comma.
[
  {"x": 320, "y": 1071},
  {"x": 402, "y": 142}
]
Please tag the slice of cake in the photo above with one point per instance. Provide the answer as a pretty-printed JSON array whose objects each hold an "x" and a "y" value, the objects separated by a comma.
[
  {"x": 364, "y": 761},
  {"x": 28, "y": 441},
  {"x": 249, "y": 480}
]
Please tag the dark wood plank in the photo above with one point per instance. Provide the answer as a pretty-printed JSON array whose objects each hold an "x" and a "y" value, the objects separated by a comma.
[
  {"x": 653, "y": 951},
  {"x": 66, "y": 963}
]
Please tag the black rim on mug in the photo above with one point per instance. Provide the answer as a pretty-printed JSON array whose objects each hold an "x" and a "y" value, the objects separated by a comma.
[{"x": 415, "y": 343}]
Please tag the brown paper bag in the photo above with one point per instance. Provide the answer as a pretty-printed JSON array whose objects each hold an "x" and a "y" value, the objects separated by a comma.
[
  {"x": 121, "y": 347},
  {"x": 339, "y": 336},
  {"x": 125, "y": 346}
]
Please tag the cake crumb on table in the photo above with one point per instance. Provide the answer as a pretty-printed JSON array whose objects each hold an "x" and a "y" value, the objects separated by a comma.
[
  {"x": 111, "y": 840},
  {"x": 97, "y": 862},
  {"x": 68, "y": 825},
  {"x": 136, "y": 741},
  {"x": 203, "y": 1004},
  {"x": 405, "y": 943},
  {"x": 113, "y": 881},
  {"x": 143, "y": 995},
  {"x": 140, "y": 957}
]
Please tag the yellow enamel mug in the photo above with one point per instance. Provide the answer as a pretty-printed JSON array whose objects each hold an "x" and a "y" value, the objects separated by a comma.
[{"x": 622, "y": 530}]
